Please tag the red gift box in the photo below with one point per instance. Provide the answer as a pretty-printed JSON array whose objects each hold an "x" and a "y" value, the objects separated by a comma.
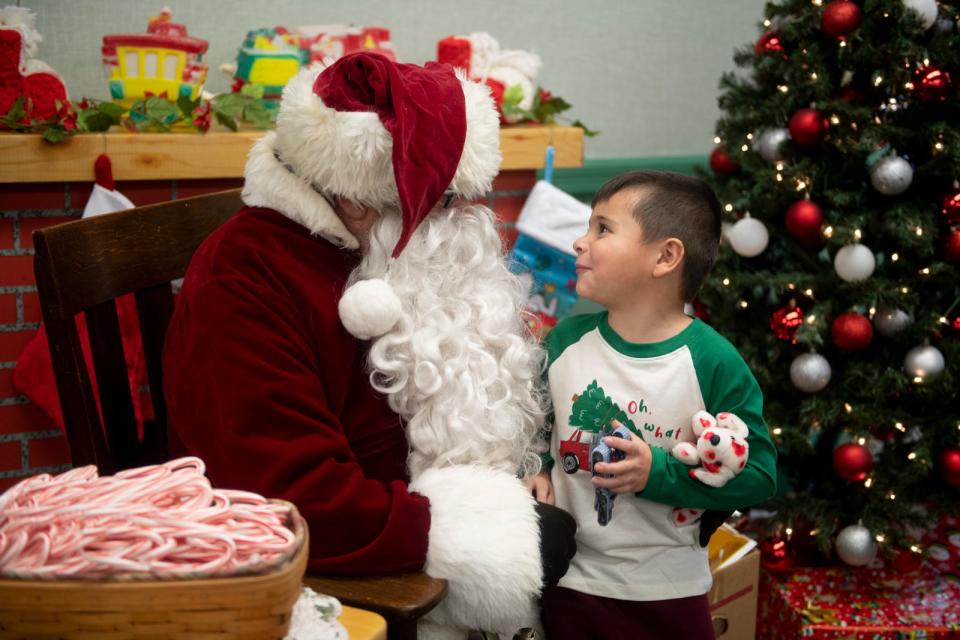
[{"x": 868, "y": 604}]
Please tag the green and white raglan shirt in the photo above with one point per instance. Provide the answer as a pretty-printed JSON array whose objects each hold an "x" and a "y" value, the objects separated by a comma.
[{"x": 650, "y": 549}]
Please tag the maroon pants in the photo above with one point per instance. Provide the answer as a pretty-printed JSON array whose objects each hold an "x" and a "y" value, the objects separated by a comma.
[{"x": 569, "y": 614}]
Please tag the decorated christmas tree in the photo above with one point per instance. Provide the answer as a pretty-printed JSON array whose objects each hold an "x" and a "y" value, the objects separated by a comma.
[{"x": 837, "y": 159}]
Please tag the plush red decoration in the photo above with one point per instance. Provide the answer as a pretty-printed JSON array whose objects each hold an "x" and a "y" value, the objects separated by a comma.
[
  {"x": 852, "y": 332},
  {"x": 21, "y": 76},
  {"x": 785, "y": 322},
  {"x": 808, "y": 127},
  {"x": 424, "y": 111}
]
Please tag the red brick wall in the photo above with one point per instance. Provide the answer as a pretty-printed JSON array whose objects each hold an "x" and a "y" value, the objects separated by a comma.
[{"x": 29, "y": 442}]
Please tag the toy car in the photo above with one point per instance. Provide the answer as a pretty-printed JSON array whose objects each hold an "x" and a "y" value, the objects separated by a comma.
[{"x": 601, "y": 452}]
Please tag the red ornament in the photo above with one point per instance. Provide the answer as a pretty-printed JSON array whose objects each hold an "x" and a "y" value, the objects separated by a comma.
[
  {"x": 721, "y": 163},
  {"x": 931, "y": 84},
  {"x": 769, "y": 43},
  {"x": 951, "y": 207},
  {"x": 777, "y": 553},
  {"x": 906, "y": 561},
  {"x": 951, "y": 246},
  {"x": 949, "y": 463},
  {"x": 840, "y": 18},
  {"x": 804, "y": 221},
  {"x": 700, "y": 310},
  {"x": 851, "y": 332},
  {"x": 850, "y": 94},
  {"x": 852, "y": 462},
  {"x": 785, "y": 321},
  {"x": 807, "y": 127}
]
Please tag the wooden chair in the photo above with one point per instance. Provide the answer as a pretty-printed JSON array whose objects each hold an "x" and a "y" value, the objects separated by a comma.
[{"x": 83, "y": 266}]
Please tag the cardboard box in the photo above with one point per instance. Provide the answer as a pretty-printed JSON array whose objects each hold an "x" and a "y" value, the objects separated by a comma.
[{"x": 733, "y": 597}]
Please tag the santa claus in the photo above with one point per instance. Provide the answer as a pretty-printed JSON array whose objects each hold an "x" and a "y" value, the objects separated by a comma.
[{"x": 351, "y": 341}]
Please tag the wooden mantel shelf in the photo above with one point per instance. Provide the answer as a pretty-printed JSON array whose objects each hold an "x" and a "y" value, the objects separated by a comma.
[{"x": 184, "y": 156}]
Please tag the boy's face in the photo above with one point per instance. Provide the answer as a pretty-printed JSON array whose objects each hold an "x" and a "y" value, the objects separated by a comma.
[{"x": 614, "y": 263}]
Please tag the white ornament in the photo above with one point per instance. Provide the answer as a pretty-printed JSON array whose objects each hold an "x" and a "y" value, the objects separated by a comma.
[
  {"x": 810, "y": 372},
  {"x": 925, "y": 9},
  {"x": 890, "y": 321},
  {"x": 770, "y": 144},
  {"x": 856, "y": 545},
  {"x": 924, "y": 361},
  {"x": 748, "y": 237},
  {"x": 369, "y": 308},
  {"x": 854, "y": 262},
  {"x": 891, "y": 176}
]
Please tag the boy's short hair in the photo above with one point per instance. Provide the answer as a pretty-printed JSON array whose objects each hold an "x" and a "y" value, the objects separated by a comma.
[{"x": 675, "y": 206}]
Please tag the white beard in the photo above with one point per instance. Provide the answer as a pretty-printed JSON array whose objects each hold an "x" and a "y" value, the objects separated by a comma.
[{"x": 460, "y": 367}]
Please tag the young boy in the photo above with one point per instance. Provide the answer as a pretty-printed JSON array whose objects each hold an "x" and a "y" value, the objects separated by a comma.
[{"x": 652, "y": 239}]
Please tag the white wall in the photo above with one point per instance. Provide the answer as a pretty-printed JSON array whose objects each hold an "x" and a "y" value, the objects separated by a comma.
[{"x": 643, "y": 72}]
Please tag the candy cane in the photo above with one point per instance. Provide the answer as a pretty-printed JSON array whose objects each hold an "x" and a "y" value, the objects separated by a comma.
[{"x": 161, "y": 521}]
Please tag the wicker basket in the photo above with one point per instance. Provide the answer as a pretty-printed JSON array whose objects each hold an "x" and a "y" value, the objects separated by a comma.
[{"x": 256, "y": 606}]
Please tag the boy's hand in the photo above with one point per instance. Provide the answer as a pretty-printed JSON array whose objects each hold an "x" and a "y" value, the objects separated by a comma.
[
  {"x": 630, "y": 474},
  {"x": 541, "y": 487}
]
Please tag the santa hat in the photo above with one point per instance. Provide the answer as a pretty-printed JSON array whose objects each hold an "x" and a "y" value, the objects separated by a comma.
[{"x": 381, "y": 133}]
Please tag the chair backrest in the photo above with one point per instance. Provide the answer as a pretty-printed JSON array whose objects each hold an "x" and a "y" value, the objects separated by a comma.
[{"x": 83, "y": 266}]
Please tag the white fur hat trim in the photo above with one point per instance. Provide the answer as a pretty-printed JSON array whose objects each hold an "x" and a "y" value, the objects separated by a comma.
[{"x": 369, "y": 308}]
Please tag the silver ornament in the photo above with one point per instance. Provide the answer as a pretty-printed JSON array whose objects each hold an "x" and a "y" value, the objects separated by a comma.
[
  {"x": 890, "y": 321},
  {"x": 856, "y": 545},
  {"x": 770, "y": 144},
  {"x": 944, "y": 25},
  {"x": 748, "y": 237},
  {"x": 891, "y": 176},
  {"x": 926, "y": 10},
  {"x": 854, "y": 262},
  {"x": 810, "y": 372},
  {"x": 924, "y": 361}
]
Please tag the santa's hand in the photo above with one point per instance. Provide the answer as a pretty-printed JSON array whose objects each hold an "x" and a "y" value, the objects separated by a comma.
[
  {"x": 541, "y": 487},
  {"x": 557, "y": 542},
  {"x": 630, "y": 474}
]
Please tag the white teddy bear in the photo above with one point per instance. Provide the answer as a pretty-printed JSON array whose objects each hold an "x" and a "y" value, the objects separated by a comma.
[{"x": 721, "y": 448}]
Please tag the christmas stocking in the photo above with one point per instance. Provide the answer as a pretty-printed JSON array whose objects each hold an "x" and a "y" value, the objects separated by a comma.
[{"x": 33, "y": 375}]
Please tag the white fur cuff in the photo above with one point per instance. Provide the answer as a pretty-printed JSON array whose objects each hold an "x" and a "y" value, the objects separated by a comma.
[{"x": 485, "y": 541}]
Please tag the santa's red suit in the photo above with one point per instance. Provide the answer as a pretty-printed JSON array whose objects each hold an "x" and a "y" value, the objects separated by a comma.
[
  {"x": 267, "y": 362},
  {"x": 272, "y": 392}
]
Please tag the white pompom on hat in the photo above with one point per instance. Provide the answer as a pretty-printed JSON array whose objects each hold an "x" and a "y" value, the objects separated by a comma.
[{"x": 388, "y": 134}]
